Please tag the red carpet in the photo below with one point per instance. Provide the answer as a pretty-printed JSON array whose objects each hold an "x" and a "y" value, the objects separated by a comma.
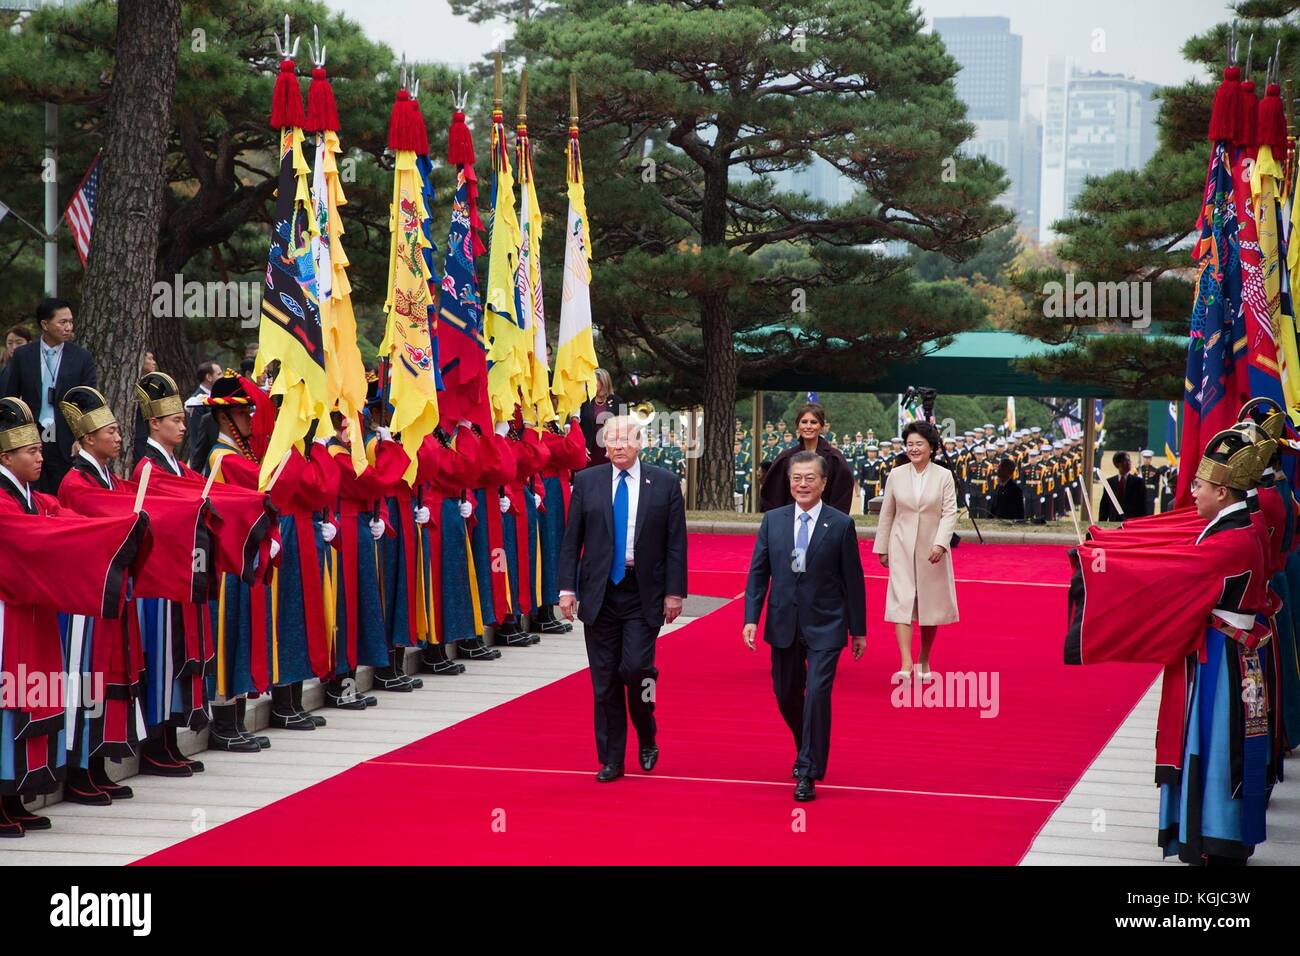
[{"x": 905, "y": 785}]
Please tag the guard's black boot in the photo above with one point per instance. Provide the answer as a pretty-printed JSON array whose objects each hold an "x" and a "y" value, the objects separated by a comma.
[
  {"x": 157, "y": 761},
  {"x": 299, "y": 709},
  {"x": 283, "y": 714},
  {"x": 12, "y": 812},
  {"x": 343, "y": 694},
  {"x": 79, "y": 788},
  {"x": 391, "y": 677},
  {"x": 476, "y": 650},
  {"x": 223, "y": 731},
  {"x": 241, "y": 711},
  {"x": 434, "y": 660},
  {"x": 99, "y": 777},
  {"x": 512, "y": 634},
  {"x": 173, "y": 749}
]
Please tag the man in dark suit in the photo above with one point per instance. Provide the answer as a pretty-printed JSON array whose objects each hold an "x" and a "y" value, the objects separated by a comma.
[
  {"x": 42, "y": 373},
  {"x": 1128, "y": 489},
  {"x": 808, "y": 552},
  {"x": 623, "y": 569}
]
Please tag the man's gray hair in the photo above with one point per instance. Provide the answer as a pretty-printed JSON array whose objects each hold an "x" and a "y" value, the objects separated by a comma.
[
  {"x": 630, "y": 425},
  {"x": 804, "y": 457}
]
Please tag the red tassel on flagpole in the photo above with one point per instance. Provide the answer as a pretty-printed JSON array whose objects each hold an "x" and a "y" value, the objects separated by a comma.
[
  {"x": 403, "y": 131},
  {"x": 460, "y": 145},
  {"x": 1223, "y": 118},
  {"x": 1272, "y": 121},
  {"x": 420, "y": 130},
  {"x": 286, "y": 101},
  {"x": 322, "y": 111},
  {"x": 1247, "y": 116}
]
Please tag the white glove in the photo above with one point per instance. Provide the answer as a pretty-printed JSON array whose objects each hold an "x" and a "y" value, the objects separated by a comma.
[
  {"x": 422, "y": 515},
  {"x": 465, "y": 423},
  {"x": 275, "y": 548},
  {"x": 466, "y": 509},
  {"x": 328, "y": 531},
  {"x": 376, "y": 528},
  {"x": 502, "y": 429},
  {"x": 384, "y": 433},
  {"x": 504, "y": 502},
  {"x": 537, "y": 500}
]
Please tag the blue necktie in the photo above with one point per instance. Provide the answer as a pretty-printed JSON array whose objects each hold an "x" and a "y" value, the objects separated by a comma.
[
  {"x": 618, "y": 567},
  {"x": 801, "y": 539}
]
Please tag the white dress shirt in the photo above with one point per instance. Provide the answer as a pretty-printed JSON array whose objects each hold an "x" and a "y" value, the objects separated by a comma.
[
  {"x": 633, "y": 495},
  {"x": 20, "y": 485},
  {"x": 171, "y": 459},
  {"x": 103, "y": 472},
  {"x": 815, "y": 512}
]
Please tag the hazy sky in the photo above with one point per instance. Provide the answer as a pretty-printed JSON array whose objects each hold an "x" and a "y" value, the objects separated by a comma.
[{"x": 1141, "y": 38}]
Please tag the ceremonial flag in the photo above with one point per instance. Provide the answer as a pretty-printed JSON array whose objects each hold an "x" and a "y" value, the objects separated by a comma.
[
  {"x": 575, "y": 354},
  {"x": 290, "y": 331},
  {"x": 424, "y": 165},
  {"x": 462, "y": 349},
  {"x": 1069, "y": 423},
  {"x": 81, "y": 210},
  {"x": 508, "y": 344},
  {"x": 345, "y": 371},
  {"x": 1207, "y": 403},
  {"x": 528, "y": 278},
  {"x": 908, "y": 411},
  {"x": 1010, "y": 424},
  {"x": 407, "y": 345},
  {"x": 1171, "y": 435}
]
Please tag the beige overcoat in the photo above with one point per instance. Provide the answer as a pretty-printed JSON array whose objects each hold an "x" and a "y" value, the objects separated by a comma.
[{"x": 908, "y": 529}]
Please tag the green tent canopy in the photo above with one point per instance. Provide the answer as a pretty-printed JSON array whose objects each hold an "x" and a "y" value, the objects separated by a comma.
[{"x": 974, "y": 363}]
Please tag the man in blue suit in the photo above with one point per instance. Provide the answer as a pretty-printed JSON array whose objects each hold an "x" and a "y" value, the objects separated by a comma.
[
  {"x": 808, "y": 553},
  {"x": 623, "y": 572}
]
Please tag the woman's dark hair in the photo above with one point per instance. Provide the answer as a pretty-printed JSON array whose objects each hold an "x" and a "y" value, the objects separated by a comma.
[
  {"x": 22, "y": 331},
  {"x": 926, "y": 431},
  {"x": 816, "y": 410}
]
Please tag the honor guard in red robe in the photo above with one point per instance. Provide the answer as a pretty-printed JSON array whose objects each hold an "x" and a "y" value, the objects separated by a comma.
[
  {"x": 35, "y": 586},
  {"x": 99, "y": 651},
  {"x": 1212, "y": 731}
]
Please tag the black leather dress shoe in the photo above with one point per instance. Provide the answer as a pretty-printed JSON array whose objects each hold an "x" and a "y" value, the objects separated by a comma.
[
  {"x": 89, "y": 798},
  {"x": 805, "y": 790},
  {"x": 649, "y": 757},
  {"x": 518, "y": 639},
  {"x": 115, "y": 791},
  {"x": 162, "y": 766},
  {"x": 611, "y": 771}
]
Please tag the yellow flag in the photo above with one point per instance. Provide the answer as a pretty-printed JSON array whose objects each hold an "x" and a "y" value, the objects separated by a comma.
[
  {"x": 575, "y": 354},
  {"x": 408, "y": 345},
  {"x": 290, "y": 332},
  {"x": 508, "y": 347}
]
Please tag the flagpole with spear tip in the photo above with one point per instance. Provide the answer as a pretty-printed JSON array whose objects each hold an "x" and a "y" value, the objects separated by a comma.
[
  {"x": 532, "y": 318},
  {"x": 574, "y": 379},
  {"x": 345, "y": 372}
]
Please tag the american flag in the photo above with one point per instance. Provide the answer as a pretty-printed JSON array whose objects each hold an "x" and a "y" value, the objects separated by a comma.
[{"x": 81, "y": 211}]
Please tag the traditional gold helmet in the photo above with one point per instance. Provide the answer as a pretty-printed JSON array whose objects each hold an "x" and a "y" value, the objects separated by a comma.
[
  {"x": 158, "y": 396},
  {"x": 17, "y": 426},
  {"x": 1232, "y": 458},
  {"x": 85, "y": 411}
]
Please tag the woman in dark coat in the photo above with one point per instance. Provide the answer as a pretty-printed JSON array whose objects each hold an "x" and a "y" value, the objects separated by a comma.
[
  {"x": 775, "y": 490},
  {"x": 592, "y": 415}
]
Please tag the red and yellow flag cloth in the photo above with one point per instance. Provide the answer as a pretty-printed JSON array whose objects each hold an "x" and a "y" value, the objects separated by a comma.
[
  {"x": 508, "y": 342},
  {"x": 408, "y": 345},
  {"x": 528, "y": 281},
  {"x": 345, "y": 371},
  {"x": 575, "y": 354},
  {"x": 290, "y": 332}
]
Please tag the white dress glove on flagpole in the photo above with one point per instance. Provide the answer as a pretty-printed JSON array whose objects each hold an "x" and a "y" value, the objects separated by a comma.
[
  {"x": 504, "y": 502},
  {"x": 537, "y": 500},
  {"x": 466, "y": 509},
  {"x": 328, "y": 531},
  {"x": 275, "y": 548},
  {"x": 376, "y": 528},
  {"x": 384, "y": 433},
  {"x": 502, "y": 429},
  {"x": 422, "y": 515}
]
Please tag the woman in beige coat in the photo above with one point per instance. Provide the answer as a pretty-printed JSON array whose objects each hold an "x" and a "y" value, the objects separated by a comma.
[{"x": 917, "y": 517}]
